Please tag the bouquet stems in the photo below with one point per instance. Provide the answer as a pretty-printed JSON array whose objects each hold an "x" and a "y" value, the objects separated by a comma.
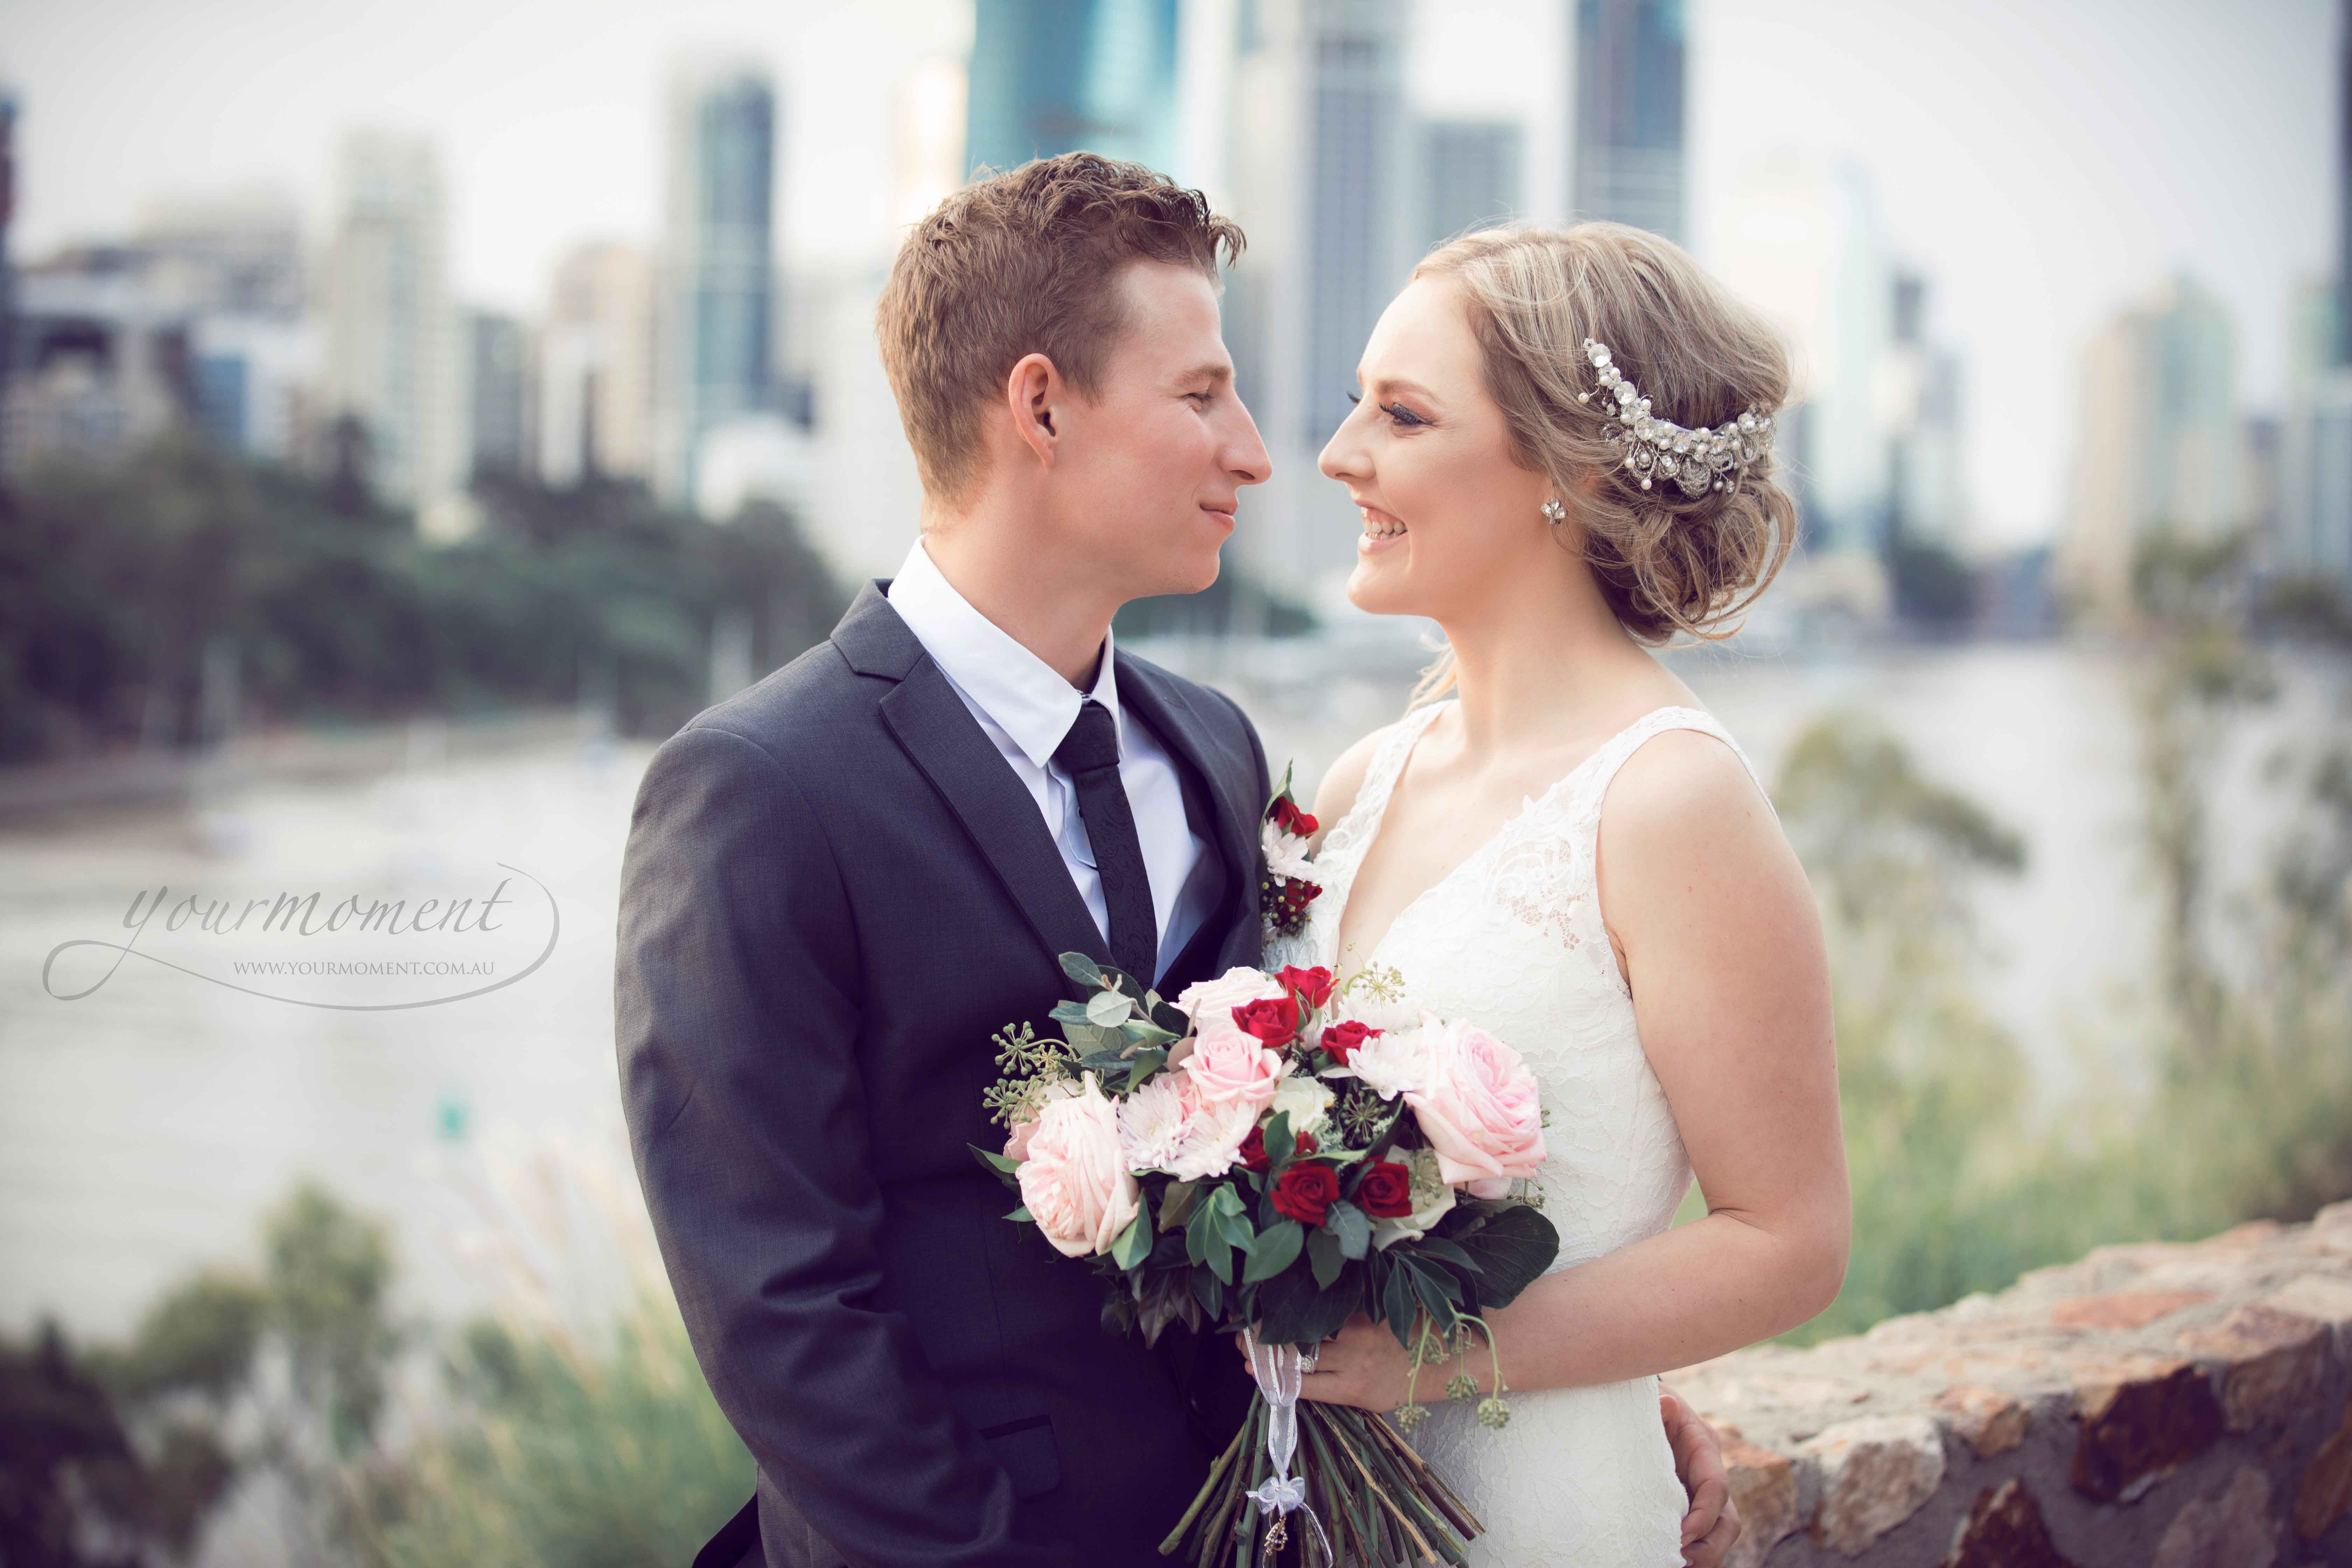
[{"x": 1378, "y": 1503}]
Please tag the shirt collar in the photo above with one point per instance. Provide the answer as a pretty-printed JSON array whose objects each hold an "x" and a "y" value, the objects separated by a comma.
[{"x": 1026, "y": 696}]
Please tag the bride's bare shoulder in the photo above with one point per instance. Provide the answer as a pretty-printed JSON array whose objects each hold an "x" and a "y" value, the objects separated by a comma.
[{"x": 1344, "y": 779}]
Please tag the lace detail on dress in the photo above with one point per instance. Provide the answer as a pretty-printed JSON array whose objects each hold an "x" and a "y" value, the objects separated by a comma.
[{"x": 1512, "y": 940}]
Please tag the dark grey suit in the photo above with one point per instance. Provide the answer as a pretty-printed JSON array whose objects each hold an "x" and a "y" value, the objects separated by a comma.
[{"x": 836, "y": 889}]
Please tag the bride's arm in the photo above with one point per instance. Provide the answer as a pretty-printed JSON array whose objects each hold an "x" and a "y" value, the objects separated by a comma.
[
  {"x": 1721, "y": 942},
  {"x": 1710, "y": 912}
]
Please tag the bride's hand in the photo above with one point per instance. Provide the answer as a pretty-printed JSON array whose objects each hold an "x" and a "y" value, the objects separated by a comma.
[{"x": 1364, "y": 1366}]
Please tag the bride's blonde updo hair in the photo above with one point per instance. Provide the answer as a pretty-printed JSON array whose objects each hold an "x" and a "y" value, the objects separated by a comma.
[{"x": 1666, "y": 563}]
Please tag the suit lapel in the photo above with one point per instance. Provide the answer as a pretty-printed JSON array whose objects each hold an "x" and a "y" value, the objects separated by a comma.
[{"x": 947, "y": 746}]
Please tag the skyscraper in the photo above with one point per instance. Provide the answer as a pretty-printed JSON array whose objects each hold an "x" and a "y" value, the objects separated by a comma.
[
  {"x": 1627, "y": 161},
  {"x": 392, "y": 349},
  {"x": 596, "y": 367},
  {"x": 718, "y": 305},
  {"x": 496, "y": 393},
  {"x": 2313, "y": 533},
  {"x": 1469, "y": 177},
  {"x": 1062, "y": 76},
  {"x": 2160, "y": 441},
  {"x": 1319, "y": 153}
]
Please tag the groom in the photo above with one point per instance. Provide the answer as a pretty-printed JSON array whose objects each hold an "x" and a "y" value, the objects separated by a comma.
[{"x": 840, "y": 883}]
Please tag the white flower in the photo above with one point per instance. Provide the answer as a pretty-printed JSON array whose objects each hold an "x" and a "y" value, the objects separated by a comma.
[
  {"x": 1306, "y": 1100},
  {"x": 1389, "y": 1063},
  {"x": 1286, "y": 854},
  {"x": 1214, "y": 1135},
  {"x": 1433, "y": 1199},
  {"x": 1152, "y": 1122}
]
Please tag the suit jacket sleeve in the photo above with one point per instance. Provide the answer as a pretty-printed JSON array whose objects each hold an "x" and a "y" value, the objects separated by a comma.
[{"x": 737, "y": 1020}]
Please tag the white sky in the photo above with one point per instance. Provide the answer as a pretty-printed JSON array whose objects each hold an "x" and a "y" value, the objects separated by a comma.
[{"x": 2044, "y": 161}]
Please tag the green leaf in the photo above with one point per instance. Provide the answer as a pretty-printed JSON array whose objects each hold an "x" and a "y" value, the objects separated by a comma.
[
  {"x": 1279, "y": 1144},
  {"x": 1107, "y": 1010},
  {"x": 1021, "y": 1214},
  {"x": 1295, "y": 1311},
  {"x": 1352, "y": 1225},
  {"x": 1142, "y": 1065},
  {"x": 1511, "y": 1246},
  {"x": 1396, "y": 1302},
  {"x": 1069, "y": 1012},
  {"x": 1134, "y": 1243},
  {"x": 1324, "y": 1255},
  {"x": 1276, "y": 1250},
  {"x": 1144, "y": 1032},
  {"x": 1445, "y": 1251},
  {"x": 1082, "y": 969},
  {"x": 1172, "y": 1018},
  {"x": 1237, "y": 1230},
  {"x": 994, "y": 1160},
  {"x": 1176, "y": 1201}
]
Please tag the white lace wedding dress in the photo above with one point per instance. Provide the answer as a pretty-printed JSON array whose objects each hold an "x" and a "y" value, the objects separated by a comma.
[{"x": 1512, "y": 941}]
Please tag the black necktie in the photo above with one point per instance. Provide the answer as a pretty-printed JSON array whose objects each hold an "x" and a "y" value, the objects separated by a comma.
[{"x": 1089, "y": 753}]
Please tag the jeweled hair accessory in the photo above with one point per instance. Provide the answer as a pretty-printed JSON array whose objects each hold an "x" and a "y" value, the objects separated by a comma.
[{"x": 1698, "y": 460}]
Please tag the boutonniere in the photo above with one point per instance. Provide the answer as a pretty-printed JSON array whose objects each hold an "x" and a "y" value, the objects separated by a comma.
[{"x": 1288, "y": 879}]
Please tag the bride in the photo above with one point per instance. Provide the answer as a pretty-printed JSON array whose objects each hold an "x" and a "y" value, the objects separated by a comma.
[{"x": 1571, "y": 852}]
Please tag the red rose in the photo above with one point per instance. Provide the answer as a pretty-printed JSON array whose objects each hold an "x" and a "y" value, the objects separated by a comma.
[
  {"x": 1341, "y": 1039},
  {"x": 1314, "y": 985},
  {"x": 1290, "y": 819},
  {"x": 1386, "y": 1190},
  {"x": 1253, "y": 1155},
  {"x": 1276, "y": 1023},
  {"x": 1306, "y": 1191}
]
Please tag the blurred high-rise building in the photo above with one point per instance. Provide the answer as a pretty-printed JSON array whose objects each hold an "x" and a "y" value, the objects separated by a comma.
[
  {"x": 2311, "y": 514},
  {"x": 717, "y": 311},
  {"x": 1626, "y": 164},
  {"x": 1920, "y": 394},
  {"x": 497, "y": 394},
  {"x": 392, "y": 338},
  {"x": 928, "y": 106},
  {"x": 1065, "y": 76},
  {"x": 234, "y": 265},
  {"x": 596, "y": 367},
  {"x": 8, "y": 261},
  {"x": 1469, "y": 175},
  {"x": 1804, "y": 242},
  {"x": 2161, "y": 442},
  {"x": 1320, "y": 154}
]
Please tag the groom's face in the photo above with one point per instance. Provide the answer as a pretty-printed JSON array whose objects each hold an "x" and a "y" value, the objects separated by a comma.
[{"x": 1152, "y": 466}]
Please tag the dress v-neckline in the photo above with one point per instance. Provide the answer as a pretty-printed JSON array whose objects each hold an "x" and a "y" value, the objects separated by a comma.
[{"x": 1528, "y": 805}]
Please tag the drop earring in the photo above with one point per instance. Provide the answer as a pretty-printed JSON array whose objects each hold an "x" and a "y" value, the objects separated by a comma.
[{"x": 1553, "y": 511}]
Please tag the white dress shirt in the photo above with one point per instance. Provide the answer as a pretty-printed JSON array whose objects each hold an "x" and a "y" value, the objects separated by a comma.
[{"x": 1026, "y": 706}]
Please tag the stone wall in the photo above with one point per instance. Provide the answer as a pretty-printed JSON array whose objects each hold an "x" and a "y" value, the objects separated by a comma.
[{"x": 2178, "y": 1406}]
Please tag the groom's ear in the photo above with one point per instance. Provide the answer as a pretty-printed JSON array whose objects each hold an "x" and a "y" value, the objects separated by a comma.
[{"x": 1032, "y": 392}]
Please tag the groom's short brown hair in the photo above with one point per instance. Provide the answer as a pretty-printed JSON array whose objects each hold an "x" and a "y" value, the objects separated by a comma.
[{"x": 1021, "y": 263}]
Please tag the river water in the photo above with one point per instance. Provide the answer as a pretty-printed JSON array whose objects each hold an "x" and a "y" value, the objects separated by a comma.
[{"x": 144, "y": 1126}]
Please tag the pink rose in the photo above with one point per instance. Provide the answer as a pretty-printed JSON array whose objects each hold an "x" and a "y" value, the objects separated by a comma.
[
  {"x": 1016, "y": 1145},
  {"x": 1477, "y": 1105},
  {"x": 1075, "y": 1182},
  {"x": 1210, "y": 1000},
  {"x": 1229, "y": 1068}
]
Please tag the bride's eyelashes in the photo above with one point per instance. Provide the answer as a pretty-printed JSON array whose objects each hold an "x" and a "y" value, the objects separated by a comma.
[{"x": 1399, "y": 414}]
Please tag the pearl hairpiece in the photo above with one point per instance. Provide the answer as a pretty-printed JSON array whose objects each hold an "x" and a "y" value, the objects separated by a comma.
[{"x": 1698, "y": 460}]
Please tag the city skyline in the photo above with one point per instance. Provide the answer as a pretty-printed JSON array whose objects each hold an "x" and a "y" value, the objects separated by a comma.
[{"x": 2210, "y": 150}]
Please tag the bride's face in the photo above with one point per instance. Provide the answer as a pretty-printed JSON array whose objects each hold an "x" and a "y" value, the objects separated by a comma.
[{"x": 1426, "y": 457}]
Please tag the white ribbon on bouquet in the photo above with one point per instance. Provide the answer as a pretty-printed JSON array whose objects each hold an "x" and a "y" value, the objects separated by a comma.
[{"x": 1278, "y": 1369}]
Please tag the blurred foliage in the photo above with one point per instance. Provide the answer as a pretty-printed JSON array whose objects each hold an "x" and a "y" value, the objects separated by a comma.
[
  {"x": 1933, "y": 588},
  {"x": 115, "y": 1454},
  {"x": 620, "y": 1459},
  {"x": 114, "y": 581},
  {"x": 1959, "y": 1183}
]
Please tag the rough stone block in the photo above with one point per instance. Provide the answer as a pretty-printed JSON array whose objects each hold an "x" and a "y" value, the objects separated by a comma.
[
  {"x": 2233, "y": 1527},
  {"x": 1992, "y": 1422},
  {"x": 1875, "y": 1473},
  {"x": 2004, "y": 1530},
  {"x": 2326, "y": 1485},
  {"x": 2275, "y": 1361},
  {"x": 2316, "y": 1296},
  {"x": 1764, "y": 1489},
  {"x": 2141, "y": 1420},
  {"x": 2125, "y": 1309}
]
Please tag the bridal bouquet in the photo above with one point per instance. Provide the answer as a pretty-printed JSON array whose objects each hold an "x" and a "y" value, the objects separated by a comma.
[{"x": 1268, "y": 1155}]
